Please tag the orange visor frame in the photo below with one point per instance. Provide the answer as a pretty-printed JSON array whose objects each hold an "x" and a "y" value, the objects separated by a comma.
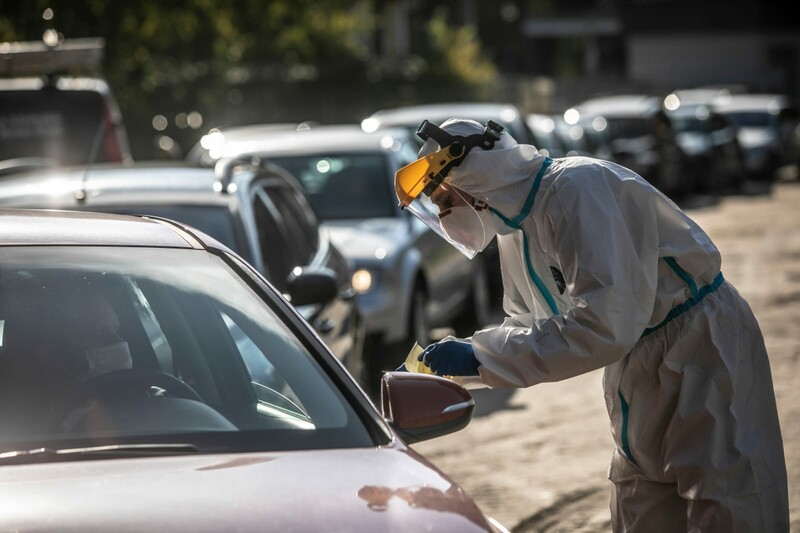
[{"x": 423, "y": 175}]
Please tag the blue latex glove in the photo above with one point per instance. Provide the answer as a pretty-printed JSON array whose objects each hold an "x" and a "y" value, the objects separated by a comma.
[{"x": 450, "y": 358}]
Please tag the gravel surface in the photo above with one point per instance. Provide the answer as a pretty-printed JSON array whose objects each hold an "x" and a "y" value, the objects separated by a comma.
[{"x": 536, "y": 459}]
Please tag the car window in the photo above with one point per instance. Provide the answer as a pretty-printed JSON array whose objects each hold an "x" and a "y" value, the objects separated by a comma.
[
  {"x": 343, "y": 186},
  {"x": 751, "y": 119},
  {"x": 215, "y": 221},
  {"x": 271, "y": 237},
  {"x": 58, "y": 125},
  {"x": 155, "y": 345}
]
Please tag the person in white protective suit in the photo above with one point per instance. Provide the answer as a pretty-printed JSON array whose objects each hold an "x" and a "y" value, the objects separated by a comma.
[{"x": 602, "y": 270}]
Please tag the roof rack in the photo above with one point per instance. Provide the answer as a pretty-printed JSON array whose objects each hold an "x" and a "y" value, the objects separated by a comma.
[{"x": 35, "y": 58}]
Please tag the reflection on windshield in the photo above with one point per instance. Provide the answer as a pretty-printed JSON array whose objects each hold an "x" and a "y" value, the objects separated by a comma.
[
  {"x": 343, "y": 186},
  {"x": 104, "y": 347}
]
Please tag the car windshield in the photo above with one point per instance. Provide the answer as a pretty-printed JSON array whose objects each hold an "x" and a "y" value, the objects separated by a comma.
[
  {"x": 688, "y": 123},
  {"x": 344, "y": 186},
  {"x": 58, "y": 125},
  {"x": 157, "y": 347},
  {"x": 629, "y": 127},
  {"x": 751, "y": 119}
]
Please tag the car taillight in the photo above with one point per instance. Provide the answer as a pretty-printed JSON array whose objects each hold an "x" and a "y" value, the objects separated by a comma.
[{"x": 111, "y": 144}]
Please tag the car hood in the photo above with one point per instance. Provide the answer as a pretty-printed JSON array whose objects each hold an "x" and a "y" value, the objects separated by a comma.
[
  {"x": 383, "y": 489},
  {"x": 368, "y": 240}
]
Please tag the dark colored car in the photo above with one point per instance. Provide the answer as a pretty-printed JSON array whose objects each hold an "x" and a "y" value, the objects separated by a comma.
[
  {"x": 641, "y": 137},
  {"x": 768, "y": 130},
  {"x": 260, "y": 213},
  {"x": 715, "y": 160},
  {"x": 49, "y": 118},
  {"x": 153, "y": 380}
]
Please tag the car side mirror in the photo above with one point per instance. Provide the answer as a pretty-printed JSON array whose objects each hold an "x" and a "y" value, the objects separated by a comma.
[
  {"x": 421, "y": 407},
  {"x": 312, "y": 286}
]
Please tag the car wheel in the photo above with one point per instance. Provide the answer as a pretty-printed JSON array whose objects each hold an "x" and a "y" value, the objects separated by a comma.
[
  {"x": 418, "y": 322},
  {"x": 478, "y": 306}
]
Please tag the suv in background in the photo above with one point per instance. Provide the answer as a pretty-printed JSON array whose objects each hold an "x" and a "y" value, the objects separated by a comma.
[
  {"x": 259, "y": 212},
  {"x": 768, "y": 129},
  {"x": 641, "y": 137},
  {"x": 48, "y": 119}
]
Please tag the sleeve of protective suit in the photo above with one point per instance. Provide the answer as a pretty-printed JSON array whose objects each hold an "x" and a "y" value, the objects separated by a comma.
[{"x": 602, "y": 230}]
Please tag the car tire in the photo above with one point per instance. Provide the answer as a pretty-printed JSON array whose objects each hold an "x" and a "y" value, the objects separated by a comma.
[
  {"x": 478, "y": 305},
  {"x": 419, "y": 324}
]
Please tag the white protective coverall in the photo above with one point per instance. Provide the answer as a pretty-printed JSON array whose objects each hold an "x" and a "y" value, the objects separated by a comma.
[{"x": 602, "y": 270}]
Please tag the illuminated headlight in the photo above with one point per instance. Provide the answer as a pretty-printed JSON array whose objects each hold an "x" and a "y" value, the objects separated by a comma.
[{"x": 361, "y": 281}]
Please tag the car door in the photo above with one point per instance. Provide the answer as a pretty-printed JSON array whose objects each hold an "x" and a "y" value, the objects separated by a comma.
[{"x": 290, "y": 241}]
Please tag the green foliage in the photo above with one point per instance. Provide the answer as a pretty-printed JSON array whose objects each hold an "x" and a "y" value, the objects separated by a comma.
[{"x": 457, "y": 55}]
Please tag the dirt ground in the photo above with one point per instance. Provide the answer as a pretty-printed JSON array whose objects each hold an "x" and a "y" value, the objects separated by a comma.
[{"x": 536, "y": 458}]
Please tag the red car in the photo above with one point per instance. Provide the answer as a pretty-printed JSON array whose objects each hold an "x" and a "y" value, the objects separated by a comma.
[{"x": 151, "y": 380}]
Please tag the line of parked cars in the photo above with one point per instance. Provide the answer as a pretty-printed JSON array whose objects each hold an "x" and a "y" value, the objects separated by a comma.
[{"x": 699, "y": 140}]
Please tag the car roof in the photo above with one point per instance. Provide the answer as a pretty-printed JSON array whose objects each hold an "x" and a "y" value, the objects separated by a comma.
[
  {"x": 414, "y": 115},
  {"x": 328, "y": 137},
  {"x": 112, "y": 177},
  {"x": 620, "y": 105},
  {"x": 135, "y": 185},
  {"x": 53, "y": 227},
  {"x": 751, "y": 102},
  {"x": 62, "y": 82}
]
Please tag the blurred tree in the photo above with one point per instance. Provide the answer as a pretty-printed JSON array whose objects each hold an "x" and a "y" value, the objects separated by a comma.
[{"x": 201, "y": 63}]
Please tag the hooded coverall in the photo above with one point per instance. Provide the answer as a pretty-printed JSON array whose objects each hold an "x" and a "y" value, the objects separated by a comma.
[{"x": 602, "y": 270}]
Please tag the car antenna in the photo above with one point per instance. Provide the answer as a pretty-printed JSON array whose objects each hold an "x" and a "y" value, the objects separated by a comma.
[{"x": 80, "y": 195}]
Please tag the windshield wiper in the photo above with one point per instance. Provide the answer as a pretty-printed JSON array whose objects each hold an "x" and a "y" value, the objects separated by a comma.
[{"x": 95, "y": 452}]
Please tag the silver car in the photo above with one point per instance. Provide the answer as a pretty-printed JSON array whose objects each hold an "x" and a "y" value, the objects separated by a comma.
[{"x": 408, "y": 279}]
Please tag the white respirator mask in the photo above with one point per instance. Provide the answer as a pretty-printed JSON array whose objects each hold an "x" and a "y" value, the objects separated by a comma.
[{"x": 109, "y": 358}]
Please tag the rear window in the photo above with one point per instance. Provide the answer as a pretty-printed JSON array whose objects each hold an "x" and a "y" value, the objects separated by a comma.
[
  {"x": 344, "y": 186},
  {"x": 53, "y": 124}
]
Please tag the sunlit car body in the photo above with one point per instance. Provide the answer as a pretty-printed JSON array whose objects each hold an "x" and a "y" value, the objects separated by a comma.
[
  {"x": 261, "y": 214},
  {"x": 232, "y": 415},
  {"x": 410, "y": 117},
  {"x": 641, "y": 137},
  {"x": 768, "y": 130},
  {"x": 408, "y": 278}
]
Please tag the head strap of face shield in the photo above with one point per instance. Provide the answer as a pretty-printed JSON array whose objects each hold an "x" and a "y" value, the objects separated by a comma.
[{"x": 458, "y": 146}]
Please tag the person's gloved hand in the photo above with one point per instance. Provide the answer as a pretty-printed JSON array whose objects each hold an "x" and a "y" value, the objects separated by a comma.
[{"x": 450, "y": 358}]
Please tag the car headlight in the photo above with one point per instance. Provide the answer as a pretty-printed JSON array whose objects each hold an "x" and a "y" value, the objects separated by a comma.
[{"x": 361, "y": 280}]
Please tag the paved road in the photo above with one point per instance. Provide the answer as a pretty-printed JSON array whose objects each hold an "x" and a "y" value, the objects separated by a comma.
[{"x": 536, "y": 458}]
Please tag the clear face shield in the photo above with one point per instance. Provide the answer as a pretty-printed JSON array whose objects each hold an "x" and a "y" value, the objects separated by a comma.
[
  {"x": 451, "y": 213},
  {"x": 423, "y": 188}
]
